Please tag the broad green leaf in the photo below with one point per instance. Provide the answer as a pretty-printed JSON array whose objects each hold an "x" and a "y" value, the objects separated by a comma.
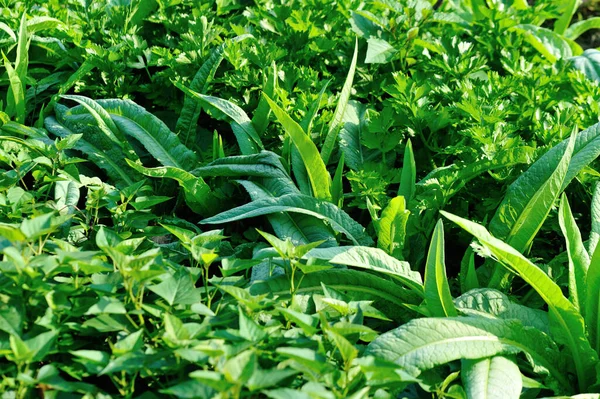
[
  {"x": 422, "y": 344},
  {"x": 408, "y": 180},
  {"x": 550, "y": 44},
  {"x": 391, "y": 227},
  {"x": 319, "y": 177},
  {"x": 379, "y": 51},
  {"x": 339, "y": 220},
  {"x": 190, "y": 112},
  {"x": 340, "y": 109},
  {"x": 346, "y": 349},
  {"x": 495, "y": 377},
  {"x": 588, "y": 63},
  {"x": 177, "y": 289},
  {"x": 190, "y": 389},
  {"x": 197, "y": 193},
  {"x": 133, "y": 120},
  {"x": 565, "y": 318},
  {"x": 579, "y": 28},
  {"x": 579, "y": 259},
  {"x": 245, "y": 134},
  {"x": 66, "y": 196},
  {"x": 107, "y": 305},
  {"x": 489, "y": 302},
  {"x": 437, "y": 290},
  {"x": 370, "y": 259}
]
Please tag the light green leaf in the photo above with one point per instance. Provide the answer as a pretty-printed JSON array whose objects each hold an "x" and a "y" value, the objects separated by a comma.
[
  {"x": 468, "y": 275},
  {"x": 260, "y": 118},
  {"x": 422, "y": 344},
  {"x": 579, "y": 259},
  {"x": 579, "y": 28},
  {"x": 566, "y": 319},
  {"x": 592, "y": 302},
  {"x": 340, "y": 109},
  {"x": 550, "y": 44},
  {"x": 371, "y": 259},
  {"x": 437, "y": 291},
  {"x": 496, "y": 377},
  {"x": 567, "y": 9},
  {"x": 15, "y": 99},
  {"x": 528, "y": 201},
  {"x": 319, "y": 177},
  {"x": 379, "y": 51},
  {"x": 298, "y": 203},
  {"x": 177, "y": 289},
  {"x": 391, "y": 227},
  {"x": 595, "y": 216},
  {"x": 488, "y": 302}
]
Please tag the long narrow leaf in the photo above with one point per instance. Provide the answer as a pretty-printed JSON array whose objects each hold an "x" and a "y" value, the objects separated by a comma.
[
  {"x": 579, "y": 259},
  {"x": 437, "y": 291},
  {"x": 320, "y": 180},
  {"x": 340, "y": 109},
  {"x": 567, "y": 321},
  {"x": 298, "y": 203}
]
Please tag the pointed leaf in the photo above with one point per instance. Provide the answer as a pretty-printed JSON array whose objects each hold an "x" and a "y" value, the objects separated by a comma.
[{"x": 437, "y": 292}]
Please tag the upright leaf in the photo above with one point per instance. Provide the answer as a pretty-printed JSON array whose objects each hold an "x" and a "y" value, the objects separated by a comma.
[
  {"x": 579, "y": 259},
  {"x": 437, "y": 291},
  {"x": 319, "y": 177},
  {"x": 260, "y": 119},
  {"x": 595, "y": 214},
  {"x": 340, "y": 109},
  {"x": 592, "y": 303},
  {"x": 408, "y": 179},
  {"x": 391, "y": 227},
  {"x": 567, "y": 10}
]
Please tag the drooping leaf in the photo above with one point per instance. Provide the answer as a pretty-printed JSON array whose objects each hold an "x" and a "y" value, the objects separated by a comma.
[
  {"x": 437, "y": 291},
  {"x": 379, "y": 51},
  {"x": 566, "y": 319},
  {"x": 370, "y": 259},
  {"x": 298, "y": 203},
  {"x": 579, "y": 28},
  {"x": 495, "y": 377},
  {"x": 550, "y": 44},
  {"x": 133, "y": 120}
]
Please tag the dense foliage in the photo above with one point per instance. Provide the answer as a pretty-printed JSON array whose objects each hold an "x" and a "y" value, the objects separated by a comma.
[{"x": 299, "y": 199}]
